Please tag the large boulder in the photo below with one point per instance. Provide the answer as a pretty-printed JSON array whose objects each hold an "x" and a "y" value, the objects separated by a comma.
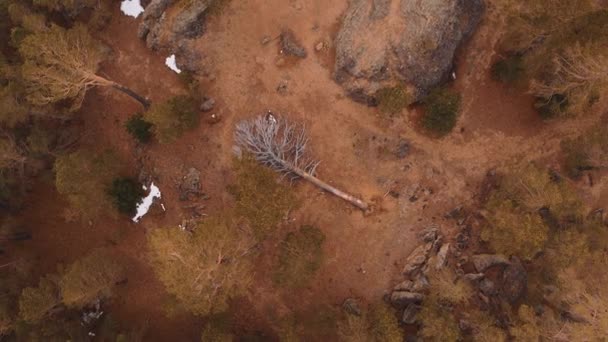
[
  {"x": 385, "y": 42},
  {"x": 484, "y": 261},
  {"x": 164, "y": 25}
]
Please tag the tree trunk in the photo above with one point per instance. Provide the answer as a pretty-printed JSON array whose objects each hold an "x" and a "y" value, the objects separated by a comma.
[
  {"x": 144, "y": 101},
  {"x": 321, "y": 184}
]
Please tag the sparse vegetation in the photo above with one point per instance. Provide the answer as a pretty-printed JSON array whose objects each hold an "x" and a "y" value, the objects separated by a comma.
[
  {"x": 260, "y": 198},
  {"x": 441, "y": 111},
  {"x": 173, "y": 117},
  {"x": 139, "y": 128},
  {"x": 392, "y": 100},
  {"x": 300, "y": 256},
  {"x": 126, "y": 193},
  {"x": 205, "y": 268},
  {"x": 508, "y": 69}
]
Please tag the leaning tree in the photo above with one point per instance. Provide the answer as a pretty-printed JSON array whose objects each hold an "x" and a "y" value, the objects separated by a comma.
[
  {"x": 281, "y": 145},
  {"x": 61, "y": 65}
]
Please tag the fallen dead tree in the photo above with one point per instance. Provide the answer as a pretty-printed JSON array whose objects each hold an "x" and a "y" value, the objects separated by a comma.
[{"x": 281, "y": 145}]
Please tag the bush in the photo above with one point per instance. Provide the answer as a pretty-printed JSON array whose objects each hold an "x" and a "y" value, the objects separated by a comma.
[
  {"x": 392, "y": 100},
  {"x": 139, "y": 128},
  {"x": 126, "y": 193},
  {"x": 508, "y": 70},
  {"x": 438, "y": 321},
  {"x": 553, "y": 107},
  {"x": 586, "y": 152},
  {"x": 260, "y": 198},
  {"x": 300, "y": 256},
  {"x": 441, "y": 114},
  {"x": 173, "y": 117}
]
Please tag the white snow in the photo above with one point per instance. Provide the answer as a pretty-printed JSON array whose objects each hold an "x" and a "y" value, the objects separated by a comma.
[
  {"x": 170, "y": 62},
  {"x": 131, "y": 8},
  {"x": 144, "y": 205}
]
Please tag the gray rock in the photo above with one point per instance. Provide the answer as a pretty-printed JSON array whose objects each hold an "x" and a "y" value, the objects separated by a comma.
[
  {"x": 418, "y": 49},
  {"x": 514, "y": 281},
  {"x": 421, "y": 284},
  {"x": 474, "y": 277},
  {"x": 401, "y": 299},
  {"x": 207, "y": 105},
  {"x": 406, "y": 285},
  {"x": 186, "y": 24},
  {"x": 290, "y": 45},
  {"x": 417, "y": 259},
  {"x": 351, "y": 306},
  {"x": 409, "y": 314},
  {"x": 442, "y": 256},
  {"x": 429, "y": 234},
  {"x": 190, "y": 184},
  {"x": 484, "y": 261},
  {"x": 403, "y": 149}
]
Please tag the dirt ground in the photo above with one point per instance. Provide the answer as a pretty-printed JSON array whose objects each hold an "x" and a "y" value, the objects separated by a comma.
[{"x": 355, "y": 144}]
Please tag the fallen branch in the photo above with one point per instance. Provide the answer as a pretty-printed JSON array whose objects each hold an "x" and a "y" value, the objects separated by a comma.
[{"x": 281, "y": 145}]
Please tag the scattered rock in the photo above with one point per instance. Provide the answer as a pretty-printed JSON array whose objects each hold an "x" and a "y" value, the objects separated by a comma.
[
  {"x": 409, "y": 314},
  {"x": 319, "y": 46},
  {"x": 416, "y": 260},
  {"x": 351, "y": 306},
  {"x": 421, "y": 284},
  {"x": 213, "y": 118},
  {"x": 208, "y": 104},
  {"x": 429, "y": 234},
  {"x": 290, "y": 46},
  {"x": 190, "y": 184},
  {"x": 484, "y": 261},
  {"x": 514, "y": 280},
  {"x": 418, "y": 53},
  {"x": 442, "y": 256},
  {"x": 401, "y": 299},
  {"x": 403, "y": 149}
]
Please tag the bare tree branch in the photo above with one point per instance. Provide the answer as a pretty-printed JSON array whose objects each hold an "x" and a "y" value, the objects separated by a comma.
[{"x": 281, "y": 145}]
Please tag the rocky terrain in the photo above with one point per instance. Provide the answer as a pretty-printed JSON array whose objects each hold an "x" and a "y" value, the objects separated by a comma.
[{"x": 387, "y": 42}]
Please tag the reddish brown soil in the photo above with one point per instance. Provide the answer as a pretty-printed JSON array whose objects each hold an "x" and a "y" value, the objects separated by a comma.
[{"x": 364, "y": 253}]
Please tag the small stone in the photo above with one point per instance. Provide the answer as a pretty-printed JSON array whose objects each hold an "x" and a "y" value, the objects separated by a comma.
[
  {"x": 265, "y": 40},
  {"x": 403, "y": 149},
  {"x": 474, "y": 277},
  {"x": 442, "y": 256},
  {"x": 208, "y": 104},
  {"x": 282, "y": 88},
  {"x": 401, "y": 299},
  {"x": 319, "y": 46},
  {"x": 409, "y": 314},
  {"x": 351, "y": 306},
  {"x": 465, "y": 326},
  {"x": 406, "y": 285},
  {"x": 280, "y": 62}
]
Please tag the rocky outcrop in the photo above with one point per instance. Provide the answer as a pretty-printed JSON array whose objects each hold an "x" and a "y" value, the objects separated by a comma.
[
  {"x": 169, "y": 25},
  {"x": 515, "y": 281},
  {"x": 385, "y": 42}
]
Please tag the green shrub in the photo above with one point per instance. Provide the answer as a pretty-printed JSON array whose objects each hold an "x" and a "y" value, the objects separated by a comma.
[
  {"x": 441, "y": 114},
  {"x": 300, "y": 256},
  {"x": 508, "y": 70},
  {"x": 437, "y": 321},
  {"x": 173, "y": 117},
  {"x": 260, "y": 198},
  {"x": 126, "y": 193},
  {"x": 393, "y": 100},
  {"x": 139, "y": 128}
]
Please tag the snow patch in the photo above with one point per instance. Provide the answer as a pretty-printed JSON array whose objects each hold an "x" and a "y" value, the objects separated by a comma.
[
  {"x": 144, "y": 206},
  {"x": 131, "y": 8},
  {"x": 170, "y": 62}
]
